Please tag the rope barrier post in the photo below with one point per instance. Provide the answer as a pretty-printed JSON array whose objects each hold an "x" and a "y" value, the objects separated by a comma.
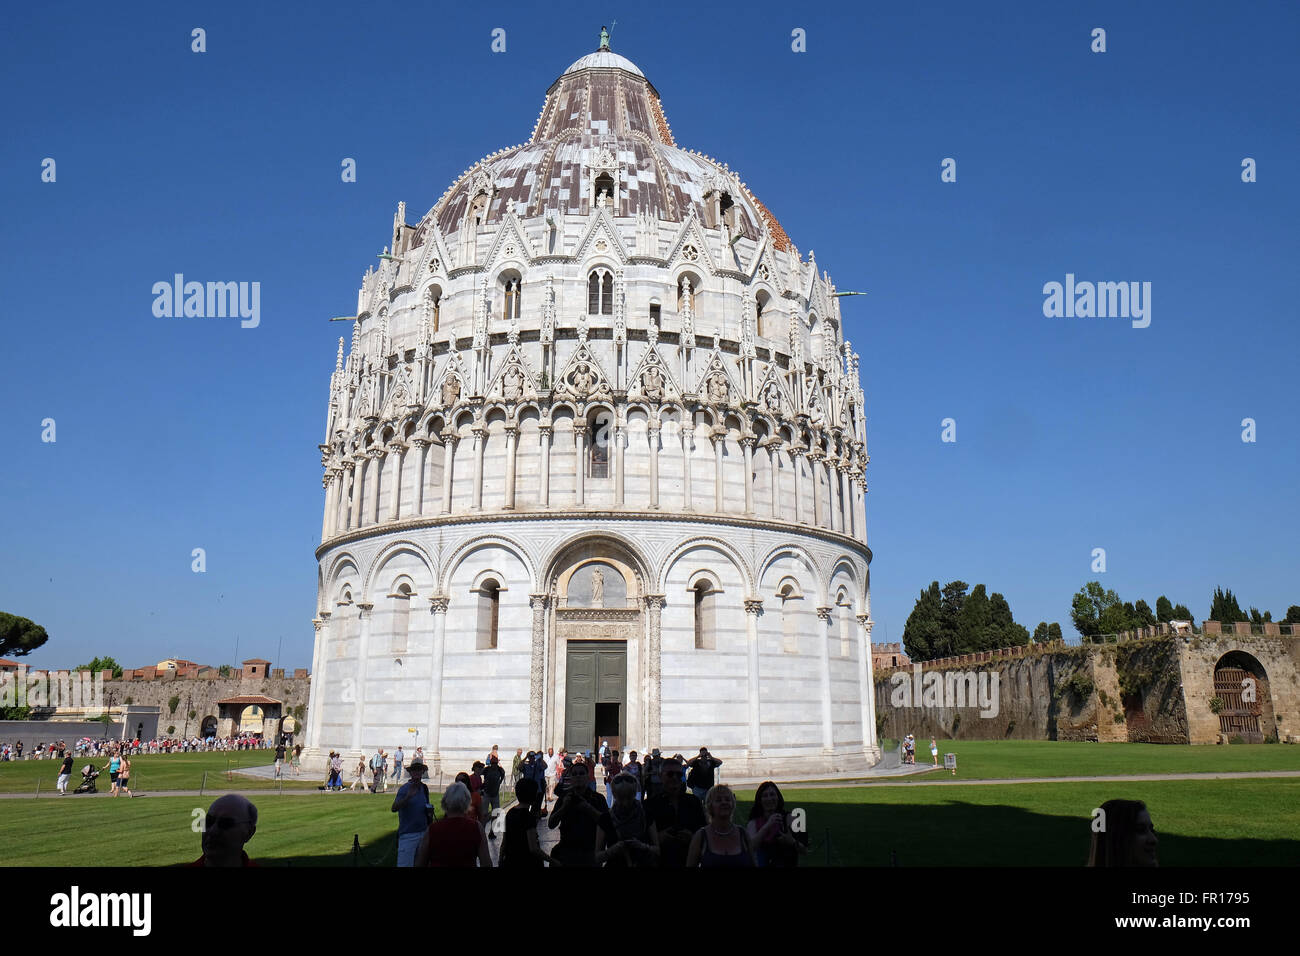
[
  {"x": 828, "y": 846},
  {"x": 356, "y": 849},
  {"x": 203, "y": 783}
]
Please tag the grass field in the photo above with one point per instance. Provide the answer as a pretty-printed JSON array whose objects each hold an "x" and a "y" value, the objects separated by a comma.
[
  {"x": 1245, "y": 822},
  {"x": 1011, "y": 759},
  {"x": 1200, "y": 823},
  {"x": 152, "y": 773}
]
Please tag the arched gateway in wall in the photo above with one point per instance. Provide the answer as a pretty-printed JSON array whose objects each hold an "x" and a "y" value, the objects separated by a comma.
[{"x": 595, "y": 466}]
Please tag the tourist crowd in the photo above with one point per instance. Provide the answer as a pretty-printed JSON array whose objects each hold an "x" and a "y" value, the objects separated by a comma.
[{"x": 86, "y": 746}]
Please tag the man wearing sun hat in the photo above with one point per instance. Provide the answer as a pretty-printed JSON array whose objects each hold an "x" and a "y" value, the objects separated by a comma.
[{"x": 413, "y": 812}]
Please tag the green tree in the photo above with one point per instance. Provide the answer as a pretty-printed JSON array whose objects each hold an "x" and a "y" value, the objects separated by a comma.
[
  {"x": 1164, "y": 610},
  {"x": 19, "y": 636},
  {"x": 924, "y": 636},
  {"x": 1054, "y": 632},
  {"x": 1040, "y": 633},
  {"x": 1181, "y": 613},
  {"x": 974, "y": 621},
  {"x": 224, "y": 670},
  {"x": 1293, "y": 614},
  {"x": 1144, "y": 616},
  {"x": 102, "y": 664},
  {"x": 15, "y": 713},
  {"x": 954, "y": 598},
  {"x": 172, "y": 704},
  {"x": 1096, "y": 610},
  {"x": 1225, "y": 609},
  {"x": 1009, "y": 633}
]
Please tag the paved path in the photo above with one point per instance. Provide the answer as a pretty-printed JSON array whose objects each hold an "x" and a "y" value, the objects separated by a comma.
[{"x": 821, "y": 784}]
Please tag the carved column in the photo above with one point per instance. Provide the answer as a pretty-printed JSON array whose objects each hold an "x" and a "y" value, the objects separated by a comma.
[
  {"x": 862, "y": 509},
  {"x": 846, "y": 498},
  {"x": 544, "y": 493},
  {"x": 688, "y": 448},
  {"x": 867, "y": 686},
  {"x": 654, "y": 604},
  {"x": 580, "y": 456},
  {"x": 747, "y": 443},
  {"x": 328, "y": 483},
  {"x": 449, "y": 440},
  {"x": 512, "y": 433},
  {"x": 773, "y": 467},
  {"x": 653, "y": 433},
  {"x": 319, "y": 655},
  {"x": 397, "y": 451},
  {"x": 480, "y": 439},
  {"x": 795, "y": 454},
  {"x": 719, "y": 437},
  {"x": 815, "y": 463},
  {"x": 619, "y": 466},
  {"x": 537, "y": 667},
  {"x": 363, "y": 654},
  {"x": 359, "y": 469},
  {"x": 423, "y": 445},
  {"x": 753, "y": 608},
  {"x": 377, "y": 470},
  {"x": 828, "y": 739},
  {"x": 439, "y": 604},
  {"x": 343, "y": 519},
  {"x": 833, "y": 493}
]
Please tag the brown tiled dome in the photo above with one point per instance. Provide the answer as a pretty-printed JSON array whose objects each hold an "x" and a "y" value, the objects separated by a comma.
[{"x": 601, "y": 114}]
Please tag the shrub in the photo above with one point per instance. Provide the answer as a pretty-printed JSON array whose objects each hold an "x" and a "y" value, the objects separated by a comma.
[
  {"x": 129, "y": 701},
  {"x": 172, "y": 704},
  {"x": 1216, "y": 704}
]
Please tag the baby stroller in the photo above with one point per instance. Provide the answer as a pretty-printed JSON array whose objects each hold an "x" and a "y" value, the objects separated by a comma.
[{"x": 88, "y": 775}]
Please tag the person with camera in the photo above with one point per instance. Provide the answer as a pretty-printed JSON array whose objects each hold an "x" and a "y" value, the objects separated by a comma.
[
  {"x": 414, "y": 813},
  {"x": 702, "y": 777},
  {"x": 675, "y": 816},
  {"x": 578, "y": 811},
  {"x": 623, "y": 833}
]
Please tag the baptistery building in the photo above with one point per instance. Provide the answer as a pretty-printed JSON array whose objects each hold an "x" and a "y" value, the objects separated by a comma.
[{"x": 594, "y": 466}]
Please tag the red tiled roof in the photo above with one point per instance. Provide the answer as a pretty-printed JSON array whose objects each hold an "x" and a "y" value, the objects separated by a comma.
[{"x": 250, "y": 699}]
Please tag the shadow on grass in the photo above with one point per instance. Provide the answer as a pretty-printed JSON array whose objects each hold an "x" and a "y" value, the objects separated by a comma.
[{"x": 957, "y": 833}]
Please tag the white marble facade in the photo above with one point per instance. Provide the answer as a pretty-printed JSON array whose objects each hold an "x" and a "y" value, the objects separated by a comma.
[{"x": 596, "y": 394}]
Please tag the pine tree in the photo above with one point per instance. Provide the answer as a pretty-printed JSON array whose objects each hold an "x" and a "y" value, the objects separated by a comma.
[
  {"x": 1164, "y": 610},
  {"x": 924, "y": 637},
  {"x": 1144, "y": 616},
  {"x": 1225, "y": 609}
]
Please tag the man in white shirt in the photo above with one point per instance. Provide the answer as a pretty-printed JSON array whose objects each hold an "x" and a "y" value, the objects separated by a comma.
[{"x": 552, "y": 763}]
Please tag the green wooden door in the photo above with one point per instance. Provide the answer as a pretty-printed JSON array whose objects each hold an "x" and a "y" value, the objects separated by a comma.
[{"x": 596, "y": 673}]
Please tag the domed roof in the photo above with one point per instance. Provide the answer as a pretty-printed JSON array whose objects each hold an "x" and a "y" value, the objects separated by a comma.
[
  {"x": 602, "y": 117},
  {"x": 606, "y": 60}
]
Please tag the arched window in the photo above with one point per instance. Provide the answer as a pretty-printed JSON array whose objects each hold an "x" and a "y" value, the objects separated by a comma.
[
  {"x": 513, "y": 295},
  {"x": 844, "y": 611},
  {"x": 730, "y": 212},
  {"x": 600, "y": 292},
  {"x": 401, "y": 617},
  {"x": 433, "y": 307},
  {"x": 693, "y": 285},
  {"x": 489, "y": 613},
  {"x": 599, "y": 436},
  {"x": 705, "y": 599},
  {"x": 605, "y": 184},
  {"x": 790, "y": 597}
]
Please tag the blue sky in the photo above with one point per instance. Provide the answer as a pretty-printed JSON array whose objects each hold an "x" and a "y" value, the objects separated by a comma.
[{"x": 1072, "y": 434}]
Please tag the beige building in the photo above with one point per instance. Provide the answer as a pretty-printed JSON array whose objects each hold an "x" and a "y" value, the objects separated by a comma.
[{"x": 595, "y": 465}]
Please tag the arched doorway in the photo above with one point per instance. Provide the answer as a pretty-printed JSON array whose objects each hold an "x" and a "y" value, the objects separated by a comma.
[
  {"x": 208, "y": 727},
  {"x": 598, "y": 650},
  {"x": 1246, "y": 708}
]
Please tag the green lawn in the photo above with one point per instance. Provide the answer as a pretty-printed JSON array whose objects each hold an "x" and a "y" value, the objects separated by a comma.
[
  {"x": 156, "y": 772},
  {"x": 1010, "y": 759},
  {"x": 1200, "y": 823}
]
